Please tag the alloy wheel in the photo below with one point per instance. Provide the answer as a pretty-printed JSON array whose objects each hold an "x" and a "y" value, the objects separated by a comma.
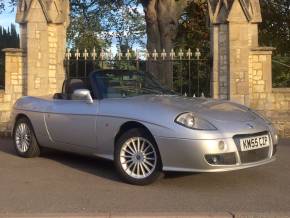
[
  {"x": 138, "y": 157},
  {"x": 23, "y": 137}
]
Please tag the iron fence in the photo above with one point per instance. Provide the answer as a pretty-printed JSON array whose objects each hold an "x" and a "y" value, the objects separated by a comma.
[{"x": 191, "y": 72}]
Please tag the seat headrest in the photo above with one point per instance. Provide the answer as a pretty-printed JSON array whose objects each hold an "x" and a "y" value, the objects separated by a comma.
[{"x": 74, "y": 84}]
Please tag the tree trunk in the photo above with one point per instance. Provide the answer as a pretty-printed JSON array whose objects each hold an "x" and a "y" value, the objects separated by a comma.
[{"x": 162, "y": 22}]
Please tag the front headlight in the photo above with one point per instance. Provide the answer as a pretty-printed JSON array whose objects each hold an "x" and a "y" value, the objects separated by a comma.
[{"x": 191, "y": 121}]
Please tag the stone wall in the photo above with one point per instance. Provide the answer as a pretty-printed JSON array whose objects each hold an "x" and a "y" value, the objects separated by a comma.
[
  {"x": 14, "y": 85},
  {"x": 37, "y": 68},
  {"x": 274, "y": 103}
]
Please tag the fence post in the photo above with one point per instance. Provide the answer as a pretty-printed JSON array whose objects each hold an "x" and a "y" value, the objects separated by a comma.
[{"x": 197, "y": 56}]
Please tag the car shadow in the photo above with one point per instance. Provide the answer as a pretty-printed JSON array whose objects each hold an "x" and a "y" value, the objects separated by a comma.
[
  {"x": 92, "y": 165},
  {"x": 174, "y": 175},
  {"x": 6, "y": 146}
]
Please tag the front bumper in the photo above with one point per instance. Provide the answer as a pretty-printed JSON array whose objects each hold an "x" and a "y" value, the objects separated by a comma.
[{"x": 185, "y": 155}]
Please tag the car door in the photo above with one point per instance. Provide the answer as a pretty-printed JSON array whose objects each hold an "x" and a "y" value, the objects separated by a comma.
[{"x": 73, "y": 122}]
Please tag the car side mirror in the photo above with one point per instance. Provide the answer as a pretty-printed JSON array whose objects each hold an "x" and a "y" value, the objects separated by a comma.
[{"x": 82, "y": 94}]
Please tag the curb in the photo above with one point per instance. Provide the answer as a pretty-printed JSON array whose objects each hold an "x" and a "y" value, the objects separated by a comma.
[
  {"x": 122, "y": 215},
  {"x": 152, "y": 215}
]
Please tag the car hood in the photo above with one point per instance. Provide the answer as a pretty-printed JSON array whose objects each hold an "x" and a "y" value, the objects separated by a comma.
[{"x": 209, "y": 109}]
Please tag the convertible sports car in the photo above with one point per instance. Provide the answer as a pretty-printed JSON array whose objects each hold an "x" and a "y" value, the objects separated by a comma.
[{"x": 144, "y": 128}]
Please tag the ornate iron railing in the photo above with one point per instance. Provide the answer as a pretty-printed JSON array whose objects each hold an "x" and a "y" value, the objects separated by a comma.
[{"x": 191, "y": 72}]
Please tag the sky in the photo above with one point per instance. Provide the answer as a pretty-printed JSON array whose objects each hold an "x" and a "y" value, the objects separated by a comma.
[{"x": 7, "y": 17}]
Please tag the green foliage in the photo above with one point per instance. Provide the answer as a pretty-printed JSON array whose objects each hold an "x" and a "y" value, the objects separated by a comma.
[
  {"x": 89, "y": 27},
  {"x": 275, "y": 31},
  {"x": 281, "y": 72},
  {"x": 96, "y": 23},
  {"x": 275, "y": 28},
  {"x": 125, "y": 64},
  {"x": 193, "y": 32},
  {"x": 82, "y": 33},
  {"x": 9, "y": 38},
  {"x": 129, "y": 26}
]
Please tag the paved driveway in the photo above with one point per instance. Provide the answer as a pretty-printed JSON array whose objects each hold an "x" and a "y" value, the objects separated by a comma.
[{"x": 60, "y": 182}]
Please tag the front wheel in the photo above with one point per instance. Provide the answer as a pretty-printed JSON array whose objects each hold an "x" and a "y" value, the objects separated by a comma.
[
  {"x": 137, "y": 158},
  {"x": 24, "y": 139}
]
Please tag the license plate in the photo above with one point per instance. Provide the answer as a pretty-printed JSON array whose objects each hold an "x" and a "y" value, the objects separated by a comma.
[{"x": 253, "y": 143}]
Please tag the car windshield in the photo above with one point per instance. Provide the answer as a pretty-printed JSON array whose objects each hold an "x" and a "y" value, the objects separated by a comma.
[{"x": 121, "y": 84}]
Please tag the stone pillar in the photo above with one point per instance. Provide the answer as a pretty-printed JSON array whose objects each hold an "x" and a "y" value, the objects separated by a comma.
[
  {"x": 234, "y": 31},
  {"x": 43, "y": 25},
  {"x": 260, "y": 78}
]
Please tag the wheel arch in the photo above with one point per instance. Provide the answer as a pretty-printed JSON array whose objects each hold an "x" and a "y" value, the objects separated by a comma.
[{"x": 133, "y": 125}]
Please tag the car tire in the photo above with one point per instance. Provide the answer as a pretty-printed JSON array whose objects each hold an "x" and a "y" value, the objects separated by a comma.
[
  {"x": 24, "y": 139},
  {"x": 137, "y": 158}
]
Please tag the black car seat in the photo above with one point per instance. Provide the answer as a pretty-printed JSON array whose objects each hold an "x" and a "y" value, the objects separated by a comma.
[
  {"x": 72, "y": 85},
  {"x": 69, "y": 86}
]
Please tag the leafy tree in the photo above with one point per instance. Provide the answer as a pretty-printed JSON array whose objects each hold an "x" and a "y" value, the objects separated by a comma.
[
  {"x": 162, "y": 19},
  {"x": 98, "y": 22},
  {"x": 87, "y": 25},
  {"x": 9, "y": 37},
  {"x": 129, "y": 27},
  {"x": 275, "y": 31},
  {"x": 193, "y": 29},
  {"x": 193, "y": 32}
]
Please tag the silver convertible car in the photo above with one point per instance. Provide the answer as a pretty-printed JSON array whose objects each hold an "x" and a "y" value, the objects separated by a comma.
[{"x": 143, "y": 127}]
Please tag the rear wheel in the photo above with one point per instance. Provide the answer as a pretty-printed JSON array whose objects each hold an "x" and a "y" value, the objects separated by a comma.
[
  {"x": 24, "y": 139},
  {"x": 137, "y": 158}
]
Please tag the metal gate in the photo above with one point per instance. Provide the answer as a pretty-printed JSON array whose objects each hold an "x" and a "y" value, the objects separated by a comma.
[{"x": 191, "y": 72}]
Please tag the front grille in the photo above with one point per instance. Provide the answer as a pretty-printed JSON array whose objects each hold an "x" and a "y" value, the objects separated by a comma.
[{"x": 253, "y": 155}]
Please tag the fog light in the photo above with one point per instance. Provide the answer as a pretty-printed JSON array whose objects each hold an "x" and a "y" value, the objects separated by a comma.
[
  {"x": 214, "y": 160},
  {"x": 221, "y": 159},
  {"x": 222, "y": 145}
]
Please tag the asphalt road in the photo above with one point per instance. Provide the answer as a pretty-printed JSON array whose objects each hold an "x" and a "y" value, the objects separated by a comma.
[{"x": 59, "y": 182}]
